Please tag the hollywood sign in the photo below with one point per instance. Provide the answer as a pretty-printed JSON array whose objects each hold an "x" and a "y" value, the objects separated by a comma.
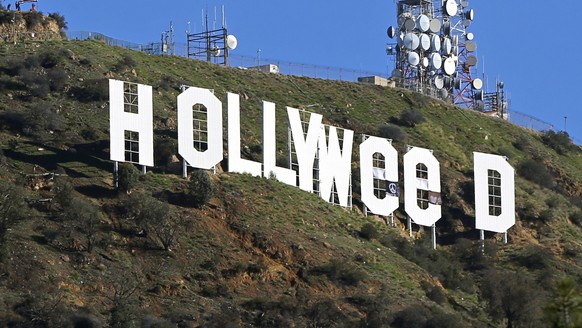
[{"x": 132, "y": 111}]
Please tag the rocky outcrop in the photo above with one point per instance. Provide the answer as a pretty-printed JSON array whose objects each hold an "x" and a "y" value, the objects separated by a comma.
[{"x": 28, "y": 26}]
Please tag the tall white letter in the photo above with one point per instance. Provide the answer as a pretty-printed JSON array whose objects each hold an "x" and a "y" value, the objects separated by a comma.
[
  {"x": 282, "y": 174},
  {"x": 235, "y": 162},
  {"x": 213, "y": 154},
  {"x": 138, "y": 118},
  {"x": 494, "y": 193},
  {"x": 415, "y": 179},
  {"x": 335, "y": 164},
  {"x": 305, "y": 146},
  {"x": 389, "y": 173}
]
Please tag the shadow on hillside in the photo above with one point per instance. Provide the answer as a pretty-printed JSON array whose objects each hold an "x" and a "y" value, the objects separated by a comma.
[
  {"x": 175, "y": 198},
  {"x": 76, "y": 161},
  {"x": 95, "y": 191}
]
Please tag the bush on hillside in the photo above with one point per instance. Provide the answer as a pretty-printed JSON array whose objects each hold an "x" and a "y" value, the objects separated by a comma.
[
  {"x": 200, "y": 188},
  {"x": 13, "y": 208},
  {"x": 32, "y": 18},
  {"x": 128, "y": 177},
  {"x": 535, "y": 171},
  {"x": 391, "y": 131},
  {"x": 411, "y": 117},
  {"x": 91, "y": 90},
  {"x": 369, "y": 231},
  {"x": 60, "y": 20},
  {"x": 558, "y": 141}
]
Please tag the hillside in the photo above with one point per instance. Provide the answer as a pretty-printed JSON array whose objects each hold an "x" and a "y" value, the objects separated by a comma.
[{"x": 76, "y": 252}]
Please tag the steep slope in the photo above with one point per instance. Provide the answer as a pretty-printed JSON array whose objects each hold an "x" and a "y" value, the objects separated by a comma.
[{"x": 259, "y": 253}]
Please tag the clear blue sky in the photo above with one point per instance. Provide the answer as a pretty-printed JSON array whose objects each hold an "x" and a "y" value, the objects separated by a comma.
[{"x": 536, "y": 55}]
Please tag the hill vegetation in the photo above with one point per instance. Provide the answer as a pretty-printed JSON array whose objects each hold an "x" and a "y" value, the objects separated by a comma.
[{"x": 230, "y": 250}]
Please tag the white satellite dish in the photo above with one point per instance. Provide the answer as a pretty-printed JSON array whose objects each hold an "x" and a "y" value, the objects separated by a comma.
[
  {"x": 447, "y": 28},
  {"x": 215, "y": 51},
  {"x": 425, "y": 62},
  {"x": 231, "y": 42},
  {"x": 439, "y": 83},
  {"x": 423, "y": 23},
  {"x": 409, "y": 24},
  {"x": 447, "y": 46},
  {"x": 413, "y": 58},
  {"x": 451, "y": 7},
  {"x": 391, "y": 32},
  {"x": 477, "y": 84},
  {"x": 411, "y": 41},
  {"x": 470, "y": 46},
  {"x": 435, "y": 25},
  {"x": 435, "y": 42},
  {"x": 470, "y": 14},
  {"x": 457, "y": 83},
  {"x": 479, "y": 95},
  {"x": 436, "y": 60},
  {"x": 471, "y": 60},
  {"x": 470, "y": 36},
  {"x": 424, "y": 41},
  {"x": 447, "y": 82},
  {"x": 450, "y": 66}
]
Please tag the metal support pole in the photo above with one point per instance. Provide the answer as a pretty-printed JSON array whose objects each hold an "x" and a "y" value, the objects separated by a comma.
[
  {"x": 434, "y": 240},
  {"x": 184, "y": 169},
  {"x": 482, "y": 238},
  {"x": 409, "y": 225},
  {"x": 505, "y": 237},
  {"x": 144, "y": 169},
  {"x": 391, "y": 216},
  {"x": 116, "y": 174}
]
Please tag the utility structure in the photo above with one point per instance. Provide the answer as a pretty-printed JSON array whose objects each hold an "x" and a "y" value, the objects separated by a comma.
[
  {"x": 212, "y": 45},
  {"x": 435, "y": 53}
]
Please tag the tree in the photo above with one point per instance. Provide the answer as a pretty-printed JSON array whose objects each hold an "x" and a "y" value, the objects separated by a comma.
[
  {"x": 513, "y": 297},
  {"x": 86, "y": 218},
  {"x": 200, "y": 188},
  {"x": 411, "y": 117},
  {"x": 13, "y": 208},
  {"x": 155, "y": 216},
  {"x": 128, "y": 176},
  {"x": 564, "y": 310}
]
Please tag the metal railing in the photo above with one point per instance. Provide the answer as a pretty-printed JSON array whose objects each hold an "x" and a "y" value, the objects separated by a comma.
[{"x": 285, "y": 67}]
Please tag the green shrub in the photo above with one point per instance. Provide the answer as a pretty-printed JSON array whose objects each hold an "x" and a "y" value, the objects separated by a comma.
[
  {"x": 200, "y": 188},
  {"x": 369, "y": 231},
  {"x": 576, "y": 218},
  {"x": 32, "y": 18},
  {"x": 411, "y": 117},
  {"x": 60, "y": 20},
  {"x": 341, "y": 272},
  {"x": 535, "y": 171},
  {"x": 559, "y": 141},
  {"x": 91, "y": 90},
  {"x": 57, "y": 79},
  {"x": 128, "y": 177},
  {"x": 391, "y": 131}
]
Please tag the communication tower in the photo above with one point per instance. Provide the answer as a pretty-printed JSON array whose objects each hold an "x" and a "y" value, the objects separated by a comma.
[
  {"x": 212, "y": 45},
  {"x": 434, "y": 51}
]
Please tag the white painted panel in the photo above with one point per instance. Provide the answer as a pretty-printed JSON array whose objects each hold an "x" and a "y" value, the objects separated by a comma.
[
  {"x": 141, "y": 122},
  {"x": 305, "y": 146},
  {"x": 425, "y": 217},
  {"x": 335, "y": 164},
  {"x": 235, "y": 162},
  {"x": 214, "y": 154},
  {"x": 483, "y": 220},
  {"x": 368, "y": 148},
  {"x": 282, "y": 174}
]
